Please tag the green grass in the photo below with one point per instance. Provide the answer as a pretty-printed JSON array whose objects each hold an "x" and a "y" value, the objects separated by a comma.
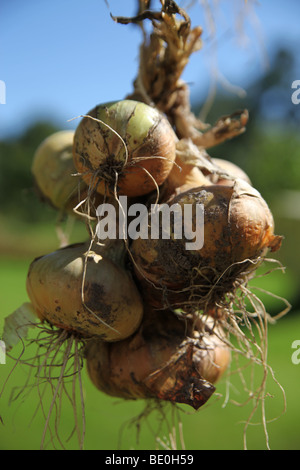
[
  {"x": 21, "y": 240},
  {"x": 214, "y": 426}
]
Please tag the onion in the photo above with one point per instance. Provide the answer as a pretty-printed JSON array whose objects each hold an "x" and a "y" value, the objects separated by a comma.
[
  {"x": 231, "y": 172},
  {"x": 86, "y": 292},
  {"x": 238, "y": 231},
  {"x": 125, "y": 145},
  {"x": 167, "y": 358},
  {"x": 53, "y": 171}
]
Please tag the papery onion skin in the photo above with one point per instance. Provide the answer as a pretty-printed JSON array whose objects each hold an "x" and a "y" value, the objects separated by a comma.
[
  {"x": 100, "y": 156},
  {"x": 54, "y": 286},
  {"x": 238, "y": 231},
  {"x": 182, "y": 178},
  {"x": 166, "y": 358}
]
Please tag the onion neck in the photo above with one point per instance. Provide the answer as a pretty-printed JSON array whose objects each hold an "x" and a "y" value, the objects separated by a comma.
[{"x": 182, "y": 178}]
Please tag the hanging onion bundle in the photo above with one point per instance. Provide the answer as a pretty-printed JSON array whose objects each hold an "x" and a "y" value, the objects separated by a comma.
[
  {"x": 162, "y": 337},
  {"x": 87, "y": 292},
  {"x": 125, "y": 146},
  {"x": 167, "y": 358},
  {"x": 238, "y": 230}
]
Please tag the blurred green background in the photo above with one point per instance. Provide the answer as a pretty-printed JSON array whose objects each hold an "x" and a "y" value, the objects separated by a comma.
[{"x": 269, "y": 152}]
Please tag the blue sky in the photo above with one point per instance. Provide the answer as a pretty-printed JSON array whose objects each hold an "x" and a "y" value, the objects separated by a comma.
[{"x": 59, "y": 58}]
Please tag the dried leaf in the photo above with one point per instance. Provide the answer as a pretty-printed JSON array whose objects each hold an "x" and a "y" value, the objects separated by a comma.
[
  {"x": 16, "y": 325},
  {"x": 190, "y": 154}
]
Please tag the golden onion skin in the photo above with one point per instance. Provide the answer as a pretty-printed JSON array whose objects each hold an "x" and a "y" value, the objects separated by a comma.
[
  {"x": 53, "y": 171},
  {"x": 238, "y": 231},
  {"x": 100, "y": 155},
  {"x": 54, "y": 286}
]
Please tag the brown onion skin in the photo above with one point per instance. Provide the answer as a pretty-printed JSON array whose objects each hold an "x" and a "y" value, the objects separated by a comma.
[
  {"x": 54, "y": 286},
  {"x": 159, "y": 360},
  {"x": 182, "y": 178},
  {"x": 96, "y": 155},
  {"x": 185, "y": 177},
  {"x": 238, "y": 231}
]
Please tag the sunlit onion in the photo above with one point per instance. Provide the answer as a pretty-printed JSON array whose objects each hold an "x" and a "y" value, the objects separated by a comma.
[
  {"x": 167, "y": 358},
  {"x": 124, "y": 146},
  {"x": 238, "y": 231},
  {"x": 87, "y": 292}
]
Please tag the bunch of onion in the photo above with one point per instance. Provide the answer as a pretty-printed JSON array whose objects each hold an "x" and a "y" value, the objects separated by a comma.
[
  {"x": 238, "y": 230},
  {"x": 168, "y": 358},
  {"x": 124, "y": 147},
  {"x": 87, "y": 292}
]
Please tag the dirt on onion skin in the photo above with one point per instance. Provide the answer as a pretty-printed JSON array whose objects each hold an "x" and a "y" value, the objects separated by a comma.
[
  {"x": 99, "y": 154},
  {"x": 83, "y": 291},
  {"x": 168, "y": 358},
  {"x": 238, "y": 232}
]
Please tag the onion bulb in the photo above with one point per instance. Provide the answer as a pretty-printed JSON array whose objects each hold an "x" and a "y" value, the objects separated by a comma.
[
  {"x": 167, "y": 358},
  {"x": 53, "y": 171},
  {"x": 238, "y": 230},
  {"x": 126, "y": 146},
  {"x": 86, "y": 292}
]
